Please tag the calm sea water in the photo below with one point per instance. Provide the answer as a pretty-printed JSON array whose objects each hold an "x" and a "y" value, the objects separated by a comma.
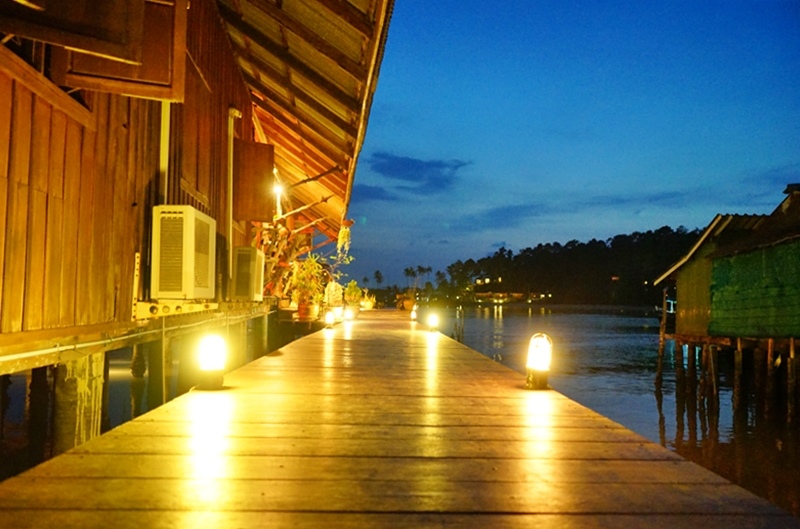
[{"x": 608, "y": 363}]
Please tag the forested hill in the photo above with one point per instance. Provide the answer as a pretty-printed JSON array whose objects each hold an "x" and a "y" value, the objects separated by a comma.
[{"x": 619, "y": 270}]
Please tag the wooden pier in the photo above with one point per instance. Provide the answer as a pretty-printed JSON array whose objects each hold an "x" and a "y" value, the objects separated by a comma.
[{"x": 378, "y": 423}]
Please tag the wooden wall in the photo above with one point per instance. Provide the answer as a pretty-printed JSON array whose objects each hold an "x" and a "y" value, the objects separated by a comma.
[
  {"x": 693, "y": 294},
  {"x": 77, "y": 184},
  {"x": 72, "y": 201},
  {"x": 200, "y": 125}
]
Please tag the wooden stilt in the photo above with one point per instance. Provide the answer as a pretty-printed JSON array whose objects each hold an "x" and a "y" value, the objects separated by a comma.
[
  {"x": 737, "y": 376},
  {"x": 770, "y": 382},
  {"x": 791, "y": 383},
  {"x": 662, "y": 331},
  {"x": 156, "y": 396},
  {"x": 78, "y": 402},
  {"x": 38, "y": 413}
]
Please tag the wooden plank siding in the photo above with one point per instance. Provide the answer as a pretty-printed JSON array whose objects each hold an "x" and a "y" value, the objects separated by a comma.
[{"x": 78, "y": 183}]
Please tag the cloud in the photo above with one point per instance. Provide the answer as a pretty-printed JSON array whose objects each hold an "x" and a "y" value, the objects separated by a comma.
[
  {"x": 500, "y": 217},
  {"x": 418, "y": 176},
  {"x": 364, "y": 193}
]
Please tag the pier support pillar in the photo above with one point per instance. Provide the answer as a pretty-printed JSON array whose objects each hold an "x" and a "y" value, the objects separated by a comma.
[
  {"x": 38, "y": 415},
  {"x": 791, "y": 383},
  {"x": 257, "y": 342},
  {"x": 138, "y": 382},
  {"x": 78, "y": 402},
  {"x": 156, "y": 384}
]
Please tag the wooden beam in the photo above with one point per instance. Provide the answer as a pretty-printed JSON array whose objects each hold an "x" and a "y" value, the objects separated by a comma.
[
  {"x": 20, "y": 351},
  {"x": 257, "y": 86},
  {"x": 322, "y": 84},
  {"x": 37, "y": 83},
  {"x": 235, "y": 20},
  {"x": 294, "y": 126},
  {"x": 352, "y": 15},
  {"x": 313, "y": 39}
]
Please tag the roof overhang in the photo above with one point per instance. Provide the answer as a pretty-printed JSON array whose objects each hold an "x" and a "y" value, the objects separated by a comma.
[{"x": 312, "y": 68}]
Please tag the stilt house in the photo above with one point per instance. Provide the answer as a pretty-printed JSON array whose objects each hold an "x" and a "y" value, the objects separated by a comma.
[{"x": 139, "y": 144}]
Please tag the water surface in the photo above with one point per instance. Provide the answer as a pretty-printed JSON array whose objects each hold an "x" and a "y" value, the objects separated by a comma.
[{"x": 608, "y": 363}]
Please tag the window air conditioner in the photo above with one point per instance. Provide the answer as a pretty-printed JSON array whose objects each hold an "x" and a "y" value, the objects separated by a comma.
[
  {"x": 248, "y": 274},
  {"x": 184, "y": 242}
]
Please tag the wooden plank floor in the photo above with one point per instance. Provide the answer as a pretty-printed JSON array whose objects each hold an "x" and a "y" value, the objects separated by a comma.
[{"x": 377, "y": 424}]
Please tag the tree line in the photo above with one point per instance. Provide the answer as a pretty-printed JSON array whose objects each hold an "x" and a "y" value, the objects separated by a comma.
[{"x": 617, "y": 271}]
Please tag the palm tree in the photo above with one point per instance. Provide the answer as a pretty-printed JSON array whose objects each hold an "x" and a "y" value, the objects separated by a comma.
[
  {"x": 378, "y": 277},
  {"x": 410, "y": 273}
]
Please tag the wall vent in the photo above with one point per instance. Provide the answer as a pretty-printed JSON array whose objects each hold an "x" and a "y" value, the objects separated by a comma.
[{"x": 184, "y": 249}]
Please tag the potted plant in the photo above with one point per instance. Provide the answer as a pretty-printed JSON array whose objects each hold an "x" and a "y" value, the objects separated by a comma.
[
  {"x": 352, "y": 295},
  {"x": 307, "y": 288},
  {"x": 368, "y": 301}
]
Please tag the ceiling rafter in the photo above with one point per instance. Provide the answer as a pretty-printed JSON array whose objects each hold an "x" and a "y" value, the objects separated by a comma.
[
  {"x": 290, "y": 125},
  {"x": 346, "y": 127},
  {"x": 318, "y": 43},
  {"x": 311, "y": 70},
  {"x": 301, "y": 118},
  {"x": 235, "y": 20},
  {"x": 351, "y": 14},
  {"x": 319, "y": 82}
]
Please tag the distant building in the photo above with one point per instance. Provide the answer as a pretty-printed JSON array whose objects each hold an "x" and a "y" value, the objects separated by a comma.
[{"x": 742, "y": 277}]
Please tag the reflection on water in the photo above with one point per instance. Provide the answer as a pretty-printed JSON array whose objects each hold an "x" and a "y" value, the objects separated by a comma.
[{"x": 608, "y": 363}]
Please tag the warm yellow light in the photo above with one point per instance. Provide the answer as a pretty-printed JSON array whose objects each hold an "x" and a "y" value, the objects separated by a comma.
[
  {"x": 211, "y": 353},
  {"x": 348, "y": 314},
  {"x": 414, "y": 315},
  {"x": 433, "y": 321},
  {"x": 540, "y": 352},
  {"x": 329, "y": 318},
  {"x": 277, "y": 189}
]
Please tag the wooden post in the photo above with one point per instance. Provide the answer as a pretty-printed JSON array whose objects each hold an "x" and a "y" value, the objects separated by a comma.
[
  {"x": 78, "y": 402},
  {"x": 737, "y": 376},
  {"x": 768, "y": 402},
  {"x": 38, "y": 415},
  {"x": 156, "y": 393},
  {"x": 680, "y": 395},
  {"x": 5, "y": 401},
  {"x": 791, "y": 383},
  {"x": 662, "y": 331},
  {"x": 138, "y": 383}
]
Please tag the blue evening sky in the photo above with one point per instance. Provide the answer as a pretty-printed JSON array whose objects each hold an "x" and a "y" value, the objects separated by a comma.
[{"x": 519, "y": 122}]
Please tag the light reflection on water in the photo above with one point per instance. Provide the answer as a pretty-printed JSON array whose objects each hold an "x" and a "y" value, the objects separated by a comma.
[{"x": 608, "y": 363}]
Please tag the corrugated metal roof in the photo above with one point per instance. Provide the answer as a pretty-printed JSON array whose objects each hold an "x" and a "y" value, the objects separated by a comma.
[
  {"x": 312, "y": 68},
  {"x": 722, "y": 230}
]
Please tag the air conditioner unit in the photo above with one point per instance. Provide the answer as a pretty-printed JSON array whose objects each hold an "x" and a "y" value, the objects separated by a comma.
[
  {"x": 248, "y": 274},
  {"x": 184, "y": 250}
]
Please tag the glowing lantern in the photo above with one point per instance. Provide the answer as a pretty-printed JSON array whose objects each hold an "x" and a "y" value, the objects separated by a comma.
[{"x": 540, "y": 352}]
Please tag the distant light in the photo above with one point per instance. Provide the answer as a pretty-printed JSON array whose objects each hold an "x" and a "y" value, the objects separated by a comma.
[
  {"x": 414, "y": 315},
  {"x": 330, "y": 318},
  {"x": 433, "y": 321},
  {"x": 540, "y": 353},
  {"x": 348, "y": 314}
]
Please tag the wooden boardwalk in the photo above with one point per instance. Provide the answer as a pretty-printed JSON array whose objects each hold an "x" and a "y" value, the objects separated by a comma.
[{"x": 378, "y": 424}]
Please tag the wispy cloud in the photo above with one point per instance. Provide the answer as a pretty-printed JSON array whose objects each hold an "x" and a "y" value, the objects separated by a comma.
[
  {"x": 418, "y": 176},
  {"x": 498, "y": 217},
  {"x": 365, "y": 193}
]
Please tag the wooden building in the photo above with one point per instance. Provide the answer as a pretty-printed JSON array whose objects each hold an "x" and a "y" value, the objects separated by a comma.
[
  {"x": 692, "y": 274},
  {"x": 740, "y": 280},
  {"x": 109, "y": 110},
  {"x": 739, "y": 287}
]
